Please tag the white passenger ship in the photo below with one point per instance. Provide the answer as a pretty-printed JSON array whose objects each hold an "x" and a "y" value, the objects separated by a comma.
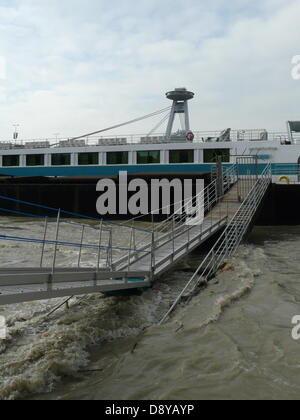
[{"x": 183, "y": 152}]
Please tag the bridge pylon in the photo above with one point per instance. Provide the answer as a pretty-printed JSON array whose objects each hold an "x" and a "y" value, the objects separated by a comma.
[{"x": 180, "y": 98}]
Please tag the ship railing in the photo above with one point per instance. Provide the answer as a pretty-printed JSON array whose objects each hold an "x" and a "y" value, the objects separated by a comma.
[
  {"x": 142, "y": 139},
  {"x": 229, "y": 241}
]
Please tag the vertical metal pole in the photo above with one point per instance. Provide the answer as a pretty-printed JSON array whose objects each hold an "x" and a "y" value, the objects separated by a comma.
[
  {"x": 81, "y": 243},
  {"x": 256, "y": 167},
  {"x": 55, "y": 249},
  {"x": 100, "y": 241},
  {"x": 107, "y": 251},
  {"x": 152, "y": 260},
  {"x": 173, "y": 237},
  {"x": 238, "y": 179},
  {"x": 129, "y": 251},
  {"x": 134, "y": 239},
  {"x": 44, "y": 239},
  {"x": 219, "y": 182},
  {"x": 111, "y": 249}
]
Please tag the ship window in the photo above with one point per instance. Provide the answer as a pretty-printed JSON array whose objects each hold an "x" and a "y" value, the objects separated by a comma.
[
  {"x": 148, "y": 157},
  {"x": 61, "y": 159},
  {"x": 181, "y": 156},
  {"x": 88, "y": 159},
  {"x": 11, "y": 160},
  {"x": 117, "y": 158},
  {"x": 35, "y": 160},
  {"x": 211, "y": 155}
]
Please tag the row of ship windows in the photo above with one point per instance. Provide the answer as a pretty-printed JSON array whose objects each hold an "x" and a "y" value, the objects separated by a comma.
[{"x": 116, "y": 158}]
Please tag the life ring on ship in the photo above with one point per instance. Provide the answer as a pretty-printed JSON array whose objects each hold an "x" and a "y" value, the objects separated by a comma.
[
  {"x": 190, "y": 136},
  {"x": 284, "y": 178}
]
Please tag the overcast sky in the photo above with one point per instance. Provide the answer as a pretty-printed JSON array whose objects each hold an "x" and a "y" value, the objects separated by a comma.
[{"x": 74, "y": 66}]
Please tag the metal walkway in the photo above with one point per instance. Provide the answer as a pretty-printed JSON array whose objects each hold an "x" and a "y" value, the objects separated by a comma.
[
  {"x": 252, "y": 191},
  {"x": 123, "y": 256}
]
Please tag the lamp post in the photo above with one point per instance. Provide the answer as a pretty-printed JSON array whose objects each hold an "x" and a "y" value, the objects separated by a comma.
[{"x": 15, "y": 135}]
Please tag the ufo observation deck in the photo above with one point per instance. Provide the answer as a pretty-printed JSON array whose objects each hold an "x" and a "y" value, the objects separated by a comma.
[{"x": 180, "y": 94}]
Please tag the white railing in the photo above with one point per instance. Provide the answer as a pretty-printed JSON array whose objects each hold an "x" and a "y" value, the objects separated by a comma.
[
  {"x": 128, "y": 139},
  {"x": 87, "y": 244},
  {"x": 207, "y": 198},
  {"x": 176, "y": 225},
  {"x": 229, "y": 240}
]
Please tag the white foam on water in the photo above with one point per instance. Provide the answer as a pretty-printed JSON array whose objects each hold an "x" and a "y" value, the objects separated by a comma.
[
  {"x": 225, "y": 288},
  {"x": 39, "y": 351}
]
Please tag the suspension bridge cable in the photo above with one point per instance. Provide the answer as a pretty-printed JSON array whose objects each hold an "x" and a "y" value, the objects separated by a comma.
[
  {"x": 159, "y": 124},
  {"x": 123, "y": 124}
]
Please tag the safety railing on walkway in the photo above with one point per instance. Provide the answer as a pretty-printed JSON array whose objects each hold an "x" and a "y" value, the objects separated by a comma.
[
  {"x": 92, "y": 242},
  {"x": 229, "y": 240},
  {"x": 191, "y": 213},
  {"x": 109, "y": 246}
]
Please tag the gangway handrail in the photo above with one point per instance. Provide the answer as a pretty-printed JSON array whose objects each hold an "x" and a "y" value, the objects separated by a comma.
[
  {"x": 205, "y": 266},
  {"x": 67, "y": 244},
  {"x": 176, "y": 223},
  {"x": 75, "y": 215},
  {"x": 64, "y": 221},
  {"x": 159, "y": 254},
  {"x": 202, "y": 193}
]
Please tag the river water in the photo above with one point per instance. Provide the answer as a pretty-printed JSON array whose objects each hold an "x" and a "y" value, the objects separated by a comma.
[{"x": 232, "y": 341}]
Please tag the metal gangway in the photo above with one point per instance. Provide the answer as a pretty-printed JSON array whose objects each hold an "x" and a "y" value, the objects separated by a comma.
[
  {"x": 105, "y": 256},
  {"x": 253, "y": 192}
]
